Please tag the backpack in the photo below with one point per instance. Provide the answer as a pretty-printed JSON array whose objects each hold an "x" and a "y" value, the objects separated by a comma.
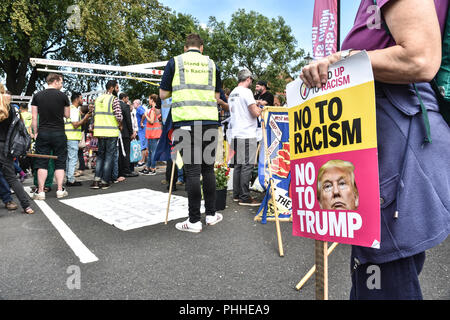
[
  {"x": 18, "y": 141},
  {"x": 441, "y": 83}
]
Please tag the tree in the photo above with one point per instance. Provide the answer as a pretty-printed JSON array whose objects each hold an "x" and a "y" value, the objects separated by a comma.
[
  {"x": 99, "y": 32},
  {"x": 264, "y": 46},
  {"x": 126, "y": 32},
  {"x": 28, "y": 29},
  {"x": 166, "y": 39}
]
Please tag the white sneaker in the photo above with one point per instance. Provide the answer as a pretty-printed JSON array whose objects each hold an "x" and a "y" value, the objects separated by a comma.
[
  {"x": 212, "y": 220},
  {"x": 39, "y": 196},
  {"x": 190, "y": 227},
  {"x": 61, "y": 193}
]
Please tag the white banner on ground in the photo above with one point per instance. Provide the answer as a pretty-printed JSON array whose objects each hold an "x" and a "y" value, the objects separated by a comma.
[{"x": 133, "y": 209}]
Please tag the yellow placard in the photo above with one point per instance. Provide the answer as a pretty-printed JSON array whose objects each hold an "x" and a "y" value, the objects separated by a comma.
[{"x": 337, "y": 122}]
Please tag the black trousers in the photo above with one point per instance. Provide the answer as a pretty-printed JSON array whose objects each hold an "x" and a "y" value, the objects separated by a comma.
[
  {"x": 124, "y": 160},
  {"x": 198, "y": 149},
  {"x": 82, "y": 166},
  {"x": 169, "y": 172},
  {"x": 7, "y": 168}
]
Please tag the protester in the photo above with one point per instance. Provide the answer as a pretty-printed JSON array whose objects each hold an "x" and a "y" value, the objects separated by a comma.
[
  {"x": 74, "y": 134},
  {"x": 152, "y": 134},
  {"x": 91, "y": 141},
  {"x": 263, "y": 97},
  {"x": 5, "y": 194},
  {"x": 107, "y": 119},
  {"x": 85, "y": 109},
  {"x": 135, "y": 124},
  {"x": 7, "y": 115},
  {"x": 278, "y": 101},
  {"x": 25, "y": 162},
  {"x": 244, "y": 114},
  {"x": 168, "y": 174},
  {"x": 26, "y": 116},
  {"x": 195, "y": 90},
  {"x": 127, "y": 135},
  {"x": 52, "y": 106},
  {"x": 414, "y": 174},
  {"x": 141, "y": 110}
]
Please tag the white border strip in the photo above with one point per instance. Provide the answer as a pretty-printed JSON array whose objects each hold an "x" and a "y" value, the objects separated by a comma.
[{"x": 80, "y": 250}]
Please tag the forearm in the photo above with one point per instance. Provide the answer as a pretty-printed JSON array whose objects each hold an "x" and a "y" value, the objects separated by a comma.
[
  {"x": 416, "y": 57},
  {"x": 34, "y": 125},
  {"x": 34, "y": 118},
  {"x": 164, "y": 94},
  {"x": 255, "y": 111},
  {"x": 117, "y": 110},
  {"x": 397, "y": 65},
  {"x": 80, "y": 123}
]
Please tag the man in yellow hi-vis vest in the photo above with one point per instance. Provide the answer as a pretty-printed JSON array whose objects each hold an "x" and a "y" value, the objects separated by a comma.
[
  {"x": 107, "y": 121},
  {"x": 74, "y": 133},
  {"x": 193, "y": 82}
]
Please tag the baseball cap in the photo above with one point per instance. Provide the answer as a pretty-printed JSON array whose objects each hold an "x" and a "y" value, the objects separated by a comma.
[
  {"x": 244, "y": 74},
  {"x": 263, "y": 83}
]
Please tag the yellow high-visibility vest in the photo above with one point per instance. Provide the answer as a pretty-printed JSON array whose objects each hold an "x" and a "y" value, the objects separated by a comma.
[
  {"x": 105, "y": 123},
  {"x": 71, "y": 132},
  {"x": 193, "y": 88}
]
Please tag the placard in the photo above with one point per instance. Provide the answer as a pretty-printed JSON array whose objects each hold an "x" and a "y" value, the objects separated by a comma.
[{"x": 334, "y": 162}]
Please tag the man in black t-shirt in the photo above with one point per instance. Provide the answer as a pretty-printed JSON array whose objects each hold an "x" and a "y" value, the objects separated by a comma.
[
  {"x": 51, "y": 106},
  {"x": 263, "y": 97}
]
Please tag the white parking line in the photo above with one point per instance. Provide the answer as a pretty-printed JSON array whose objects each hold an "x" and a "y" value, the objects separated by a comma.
[{"x": 80, "y": 250}]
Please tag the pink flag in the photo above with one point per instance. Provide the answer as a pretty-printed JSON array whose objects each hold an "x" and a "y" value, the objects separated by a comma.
[{"x": 325, "y": 28}]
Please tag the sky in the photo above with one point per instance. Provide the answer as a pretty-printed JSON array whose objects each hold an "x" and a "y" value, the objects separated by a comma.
[{"x": 298, "y": 14}]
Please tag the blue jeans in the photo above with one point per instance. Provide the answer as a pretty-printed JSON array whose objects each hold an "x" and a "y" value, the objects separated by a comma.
[
  {"x": 115, "y": 167},
  {"x": 72, "y": 159},
  {"x": 106, "y": 155},
  {"x": 5, "y": 192},
  {"x": 180, "y": 175},
  {"x": 17, "y": 167},
  {"x": 397, "y": 280},
  {"x": 152, "y": 143}
]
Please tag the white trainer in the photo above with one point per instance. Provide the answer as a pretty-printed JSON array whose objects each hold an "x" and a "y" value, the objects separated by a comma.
[
  {"x": 188, "y": 226},
  {"x": 39, "y": 196},
  {"x": 212, "y": 220},
  {"x": 61, "y": 193}
]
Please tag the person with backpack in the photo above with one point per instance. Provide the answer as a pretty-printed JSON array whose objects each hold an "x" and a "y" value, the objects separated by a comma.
[
  {"x": 9, "y": 120},
  {"x": 413, "y": 140}
]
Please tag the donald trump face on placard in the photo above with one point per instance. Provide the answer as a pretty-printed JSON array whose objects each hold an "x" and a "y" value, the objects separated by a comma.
[{"x": 336, "y": 186}]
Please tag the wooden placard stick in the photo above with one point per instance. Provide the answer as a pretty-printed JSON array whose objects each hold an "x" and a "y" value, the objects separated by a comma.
[
  {"x": 313, "y": 269},
  {"x": 267, "y": 157},
  {"x": 321, "y": 253},
  {"x": 41, "y": 156},
  {"x": 170, "y": 190}
]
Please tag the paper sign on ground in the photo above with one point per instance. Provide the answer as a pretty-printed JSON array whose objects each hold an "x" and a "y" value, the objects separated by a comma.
[{"x": 133, "y": 209}]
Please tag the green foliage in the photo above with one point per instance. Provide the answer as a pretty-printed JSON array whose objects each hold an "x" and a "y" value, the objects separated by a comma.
[
  {"x": 126, "y": 32},
  {"x": 222, "y": 173},
  {"x": 264, "y": 46}
]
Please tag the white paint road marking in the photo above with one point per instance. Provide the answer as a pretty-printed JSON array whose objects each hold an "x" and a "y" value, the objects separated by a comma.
[{"x": 80, "y": 250}]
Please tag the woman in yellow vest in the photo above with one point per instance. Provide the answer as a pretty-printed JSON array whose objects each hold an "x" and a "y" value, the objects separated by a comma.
[{"x": 153, "y": 132}]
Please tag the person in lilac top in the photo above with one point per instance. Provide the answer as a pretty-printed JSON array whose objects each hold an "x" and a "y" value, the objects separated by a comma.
[{"x": 403, "y": 39}]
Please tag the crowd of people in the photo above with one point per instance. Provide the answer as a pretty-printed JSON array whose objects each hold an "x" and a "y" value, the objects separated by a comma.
[{"x": 74, "y": 136}]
